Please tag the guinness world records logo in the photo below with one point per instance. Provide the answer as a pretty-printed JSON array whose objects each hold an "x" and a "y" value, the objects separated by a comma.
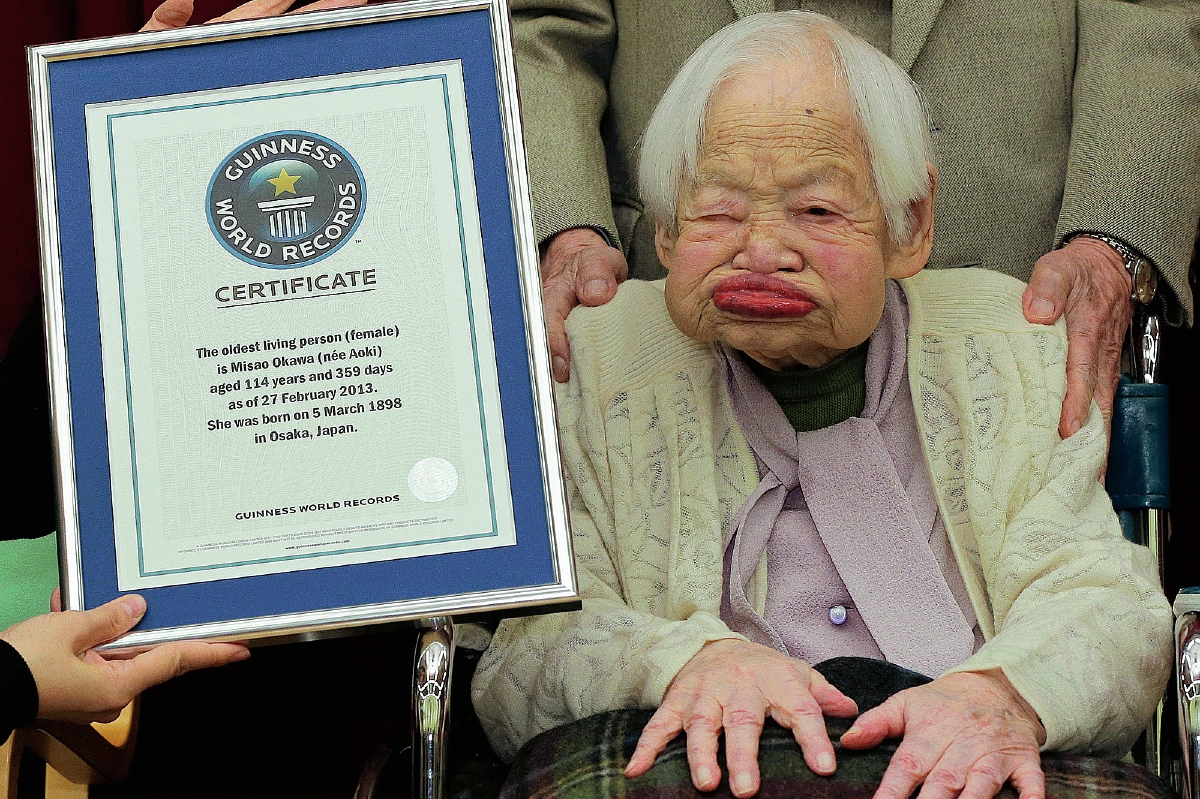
[{"x": 285, "y": 199}]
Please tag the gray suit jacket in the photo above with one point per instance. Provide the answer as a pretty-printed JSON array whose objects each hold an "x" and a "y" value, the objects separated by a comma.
[{"x": 1048, "y": 118}]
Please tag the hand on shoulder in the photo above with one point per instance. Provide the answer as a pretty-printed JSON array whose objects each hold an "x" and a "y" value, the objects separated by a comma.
[{"x": 578, "y": 266}]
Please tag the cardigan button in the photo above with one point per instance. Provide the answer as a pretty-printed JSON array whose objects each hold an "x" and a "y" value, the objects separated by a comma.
[{"x": 837, "y": 614}]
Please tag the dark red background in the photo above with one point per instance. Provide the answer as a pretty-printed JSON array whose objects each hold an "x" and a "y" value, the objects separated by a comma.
[{"x": 41, "y": 22}]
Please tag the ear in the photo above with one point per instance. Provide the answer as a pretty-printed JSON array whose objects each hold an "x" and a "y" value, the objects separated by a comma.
[
  {"x": 664, "y": 245},
  {"x": 910, "y": 258}
]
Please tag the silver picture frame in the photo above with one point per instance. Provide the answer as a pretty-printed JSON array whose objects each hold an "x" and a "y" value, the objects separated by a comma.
[{"x": 86, "y": 569}]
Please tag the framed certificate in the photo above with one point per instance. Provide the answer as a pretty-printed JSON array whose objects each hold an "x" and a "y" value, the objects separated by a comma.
[{"x": 299, "y": 377}]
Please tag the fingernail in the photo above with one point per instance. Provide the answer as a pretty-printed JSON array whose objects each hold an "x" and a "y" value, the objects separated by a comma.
[
  {"x": 826, "y": 763},
  {"x": 134, "y": 605},
  {"x": 560, "y": 365},
  {"x": 742, "y": 784},
  {"x": 703, "y": 776},
  {"x": 595, "y": 289},
  {"x": 854, "y": 730},
  {"x": 1041, "y": 308},
  {"x": 1073, "y": 426}
]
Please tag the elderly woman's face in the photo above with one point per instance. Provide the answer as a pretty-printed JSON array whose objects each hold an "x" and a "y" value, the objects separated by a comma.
[{"x": 782, "y": 247}]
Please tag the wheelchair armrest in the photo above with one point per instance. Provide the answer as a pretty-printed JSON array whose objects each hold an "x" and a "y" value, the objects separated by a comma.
[{"x": 1187, "y": 665}]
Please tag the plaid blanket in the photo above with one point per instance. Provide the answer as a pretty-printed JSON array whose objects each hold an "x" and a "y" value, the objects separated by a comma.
[{"x": 585, "y": 759}]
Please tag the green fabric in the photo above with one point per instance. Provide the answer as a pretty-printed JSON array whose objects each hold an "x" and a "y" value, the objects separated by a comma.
[
  {"x": 816, "y": 398},
  {"x": 28, "y": 573}
]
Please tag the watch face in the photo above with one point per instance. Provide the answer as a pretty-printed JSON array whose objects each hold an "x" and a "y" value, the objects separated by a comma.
[{"x": 1145, "y": 282}]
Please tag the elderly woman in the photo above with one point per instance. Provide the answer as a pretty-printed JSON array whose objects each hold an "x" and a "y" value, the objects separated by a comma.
[{"x": 798, "y": 447}]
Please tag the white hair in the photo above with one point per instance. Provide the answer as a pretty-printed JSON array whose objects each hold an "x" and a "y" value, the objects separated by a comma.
[{"x": 890, "y": 115}]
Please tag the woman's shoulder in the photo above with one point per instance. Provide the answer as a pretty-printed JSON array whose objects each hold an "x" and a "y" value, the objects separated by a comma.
[
  {"x": 969, "y": 301},
  {"x": 630, "y": 340}
]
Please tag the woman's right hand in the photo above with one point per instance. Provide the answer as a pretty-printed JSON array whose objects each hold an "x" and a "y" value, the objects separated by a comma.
[{"x": 734, "y": 685}]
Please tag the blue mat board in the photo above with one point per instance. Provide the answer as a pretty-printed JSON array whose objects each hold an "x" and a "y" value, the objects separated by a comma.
[{"x": 75, "y": 83}]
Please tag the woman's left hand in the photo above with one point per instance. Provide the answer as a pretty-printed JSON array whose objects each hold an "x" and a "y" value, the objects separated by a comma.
[{"x": 964, "y": 734}]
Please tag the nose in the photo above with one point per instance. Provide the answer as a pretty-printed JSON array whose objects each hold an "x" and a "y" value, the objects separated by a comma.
[{"x": 764, "y": 251}]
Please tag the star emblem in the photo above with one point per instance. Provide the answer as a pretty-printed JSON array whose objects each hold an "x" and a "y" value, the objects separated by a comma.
[{"x": 284, "y": 182}]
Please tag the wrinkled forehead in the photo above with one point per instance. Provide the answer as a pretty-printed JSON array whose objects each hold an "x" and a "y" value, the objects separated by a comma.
[{"x": 796, "y": 116}]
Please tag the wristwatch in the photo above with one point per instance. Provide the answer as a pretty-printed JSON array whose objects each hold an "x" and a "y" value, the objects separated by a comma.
[{"x": 1141, "y": 271}]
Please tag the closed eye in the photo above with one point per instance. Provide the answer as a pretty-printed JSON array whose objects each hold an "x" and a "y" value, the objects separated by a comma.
[{"x": 814, "y": 210}]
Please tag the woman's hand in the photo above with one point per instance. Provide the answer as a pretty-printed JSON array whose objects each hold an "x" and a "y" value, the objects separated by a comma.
[
  {"x": 176, "y": 13},
  {"x": 734, "y": 685},
  {"x": 77, "y": 683},
  {"x": 964, "y": 735}
]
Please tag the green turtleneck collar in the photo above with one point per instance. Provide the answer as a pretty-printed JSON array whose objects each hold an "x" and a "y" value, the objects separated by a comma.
[{"x": 816, "y": 398}]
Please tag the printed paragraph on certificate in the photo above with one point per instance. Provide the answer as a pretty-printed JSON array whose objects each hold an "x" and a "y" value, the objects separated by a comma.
[{"x": 299, "y": 369}]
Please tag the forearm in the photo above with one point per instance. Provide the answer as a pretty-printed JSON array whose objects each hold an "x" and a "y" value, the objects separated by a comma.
[
  {"x": 1133, "y": 171},
  {"x": 1092, "y": 689},
  {"x": 543, "y": 671},
  {"x": 18, "y": 691},
  {"x": 1083, "y": 631}
]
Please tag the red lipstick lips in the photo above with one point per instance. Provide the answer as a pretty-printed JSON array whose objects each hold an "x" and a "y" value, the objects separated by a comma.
[{"x": 761, "y": 297}]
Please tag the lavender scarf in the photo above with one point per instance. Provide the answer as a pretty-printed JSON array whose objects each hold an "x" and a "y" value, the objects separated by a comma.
[{"x": 862, "y": 484}]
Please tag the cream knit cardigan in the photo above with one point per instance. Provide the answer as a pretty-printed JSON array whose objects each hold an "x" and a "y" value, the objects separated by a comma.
[{"x": 657, "y": 467}]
